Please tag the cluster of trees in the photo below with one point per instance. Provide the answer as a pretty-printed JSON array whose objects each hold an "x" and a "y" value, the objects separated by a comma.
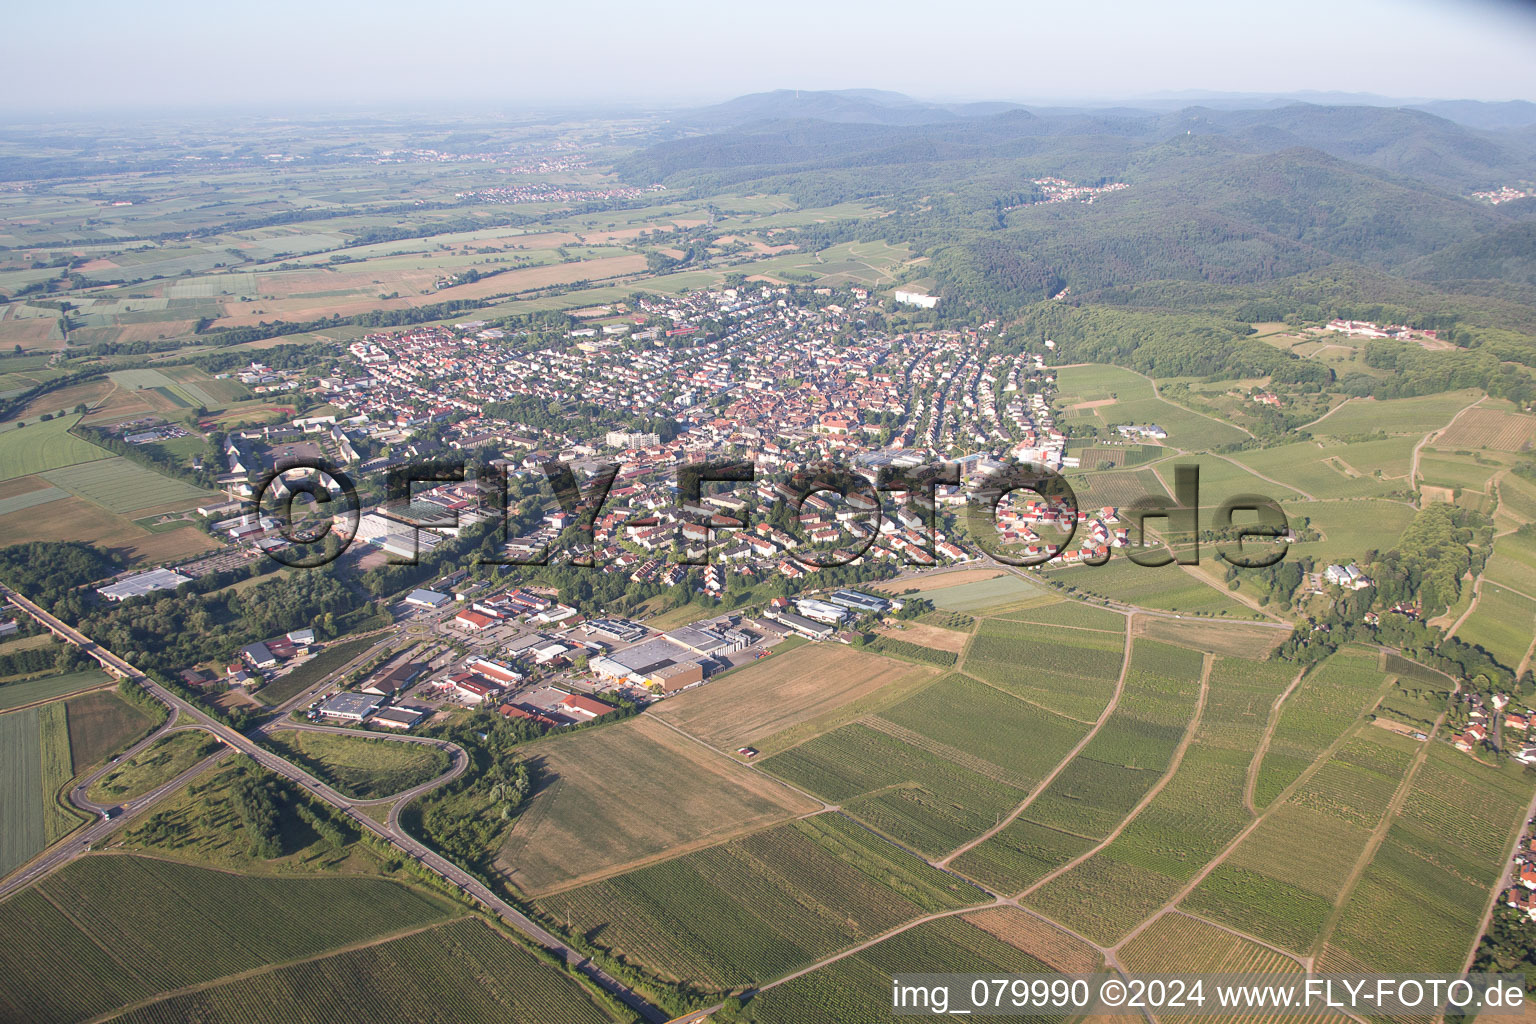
[
  {"x": 169, "y": 630},
  {"x": 1430, "y": 559},
  {"x": 1414, "y": 371},
  {"x": 258, "y": 801},
  {"x": 48, "y": 571},
  {"x": 1161, "y": 344},
  {"x": 1509, "y": 947},
  {"x": 55, "y": 657}
]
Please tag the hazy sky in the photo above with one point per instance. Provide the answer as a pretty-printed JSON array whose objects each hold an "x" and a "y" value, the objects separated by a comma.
[{"x": 277, "y": 54}]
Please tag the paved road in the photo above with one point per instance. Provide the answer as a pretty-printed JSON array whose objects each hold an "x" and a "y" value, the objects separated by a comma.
[{"x": 391, "y": 832}]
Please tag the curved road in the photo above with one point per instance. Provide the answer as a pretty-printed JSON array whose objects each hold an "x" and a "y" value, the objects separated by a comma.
[{"x": 391, "y": 832}]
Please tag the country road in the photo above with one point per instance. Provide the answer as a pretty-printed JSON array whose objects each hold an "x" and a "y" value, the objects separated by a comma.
[{"x": 392, "y": 832}]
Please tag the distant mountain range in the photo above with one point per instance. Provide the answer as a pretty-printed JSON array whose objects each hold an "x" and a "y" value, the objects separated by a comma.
[{"x": 875, "y": 106}]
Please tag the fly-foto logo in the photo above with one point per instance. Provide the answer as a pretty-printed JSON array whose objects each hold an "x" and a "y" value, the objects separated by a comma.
[{"x": 869, "y": 500}]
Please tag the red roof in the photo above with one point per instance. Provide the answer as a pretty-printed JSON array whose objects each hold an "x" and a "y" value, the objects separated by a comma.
[
  {"x": 576, "y": 702},
  {"x": 474, "y": 619}
]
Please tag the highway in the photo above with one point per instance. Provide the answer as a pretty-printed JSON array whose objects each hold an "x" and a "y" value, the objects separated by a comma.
[{"x": 188, "y": 714}]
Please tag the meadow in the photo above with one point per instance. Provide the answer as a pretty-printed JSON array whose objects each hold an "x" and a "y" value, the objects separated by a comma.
[
  {"x": 364, "y": 768},
  {"x": 579, "y": 824},
  {"x": 153, "y": 766},
  {"x": 759, "y": 906}
]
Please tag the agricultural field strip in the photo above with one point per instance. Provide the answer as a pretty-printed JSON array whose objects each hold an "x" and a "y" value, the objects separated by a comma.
[
  {"x": 825, "y": 806},
  {"x": 1188, "y": 738},
  {"x": 264, "y": 969},
  {"x": 1263, "y": 745},
  {"x": 1304, "y": 962},
  {"x": 1378, "y": 835},
  {"x": 1312, "y": 769},
  {"x": 1114, "y": 701}
]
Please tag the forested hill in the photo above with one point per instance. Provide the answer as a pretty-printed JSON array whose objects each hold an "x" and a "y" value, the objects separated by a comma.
[{"x": 1227, "y": 198}]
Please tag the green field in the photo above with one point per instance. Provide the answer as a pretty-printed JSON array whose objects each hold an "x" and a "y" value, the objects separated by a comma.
[
  {"x": 760, "y": 906},
  {"x": 14, "y": 695},
  {"x": 1395, "y": 415},
  {"x": 121, "y": 485},
  {"x": 1501, "y": 624},
  {"x": 1349, "y": 528},
  {"x": 361, "y": 767},
  {"x": 1513, "y": 563},
  {"x": 102, "y": 722},
  {"x": 1420, "y": 902},
  {"x": 44, "y": 446},
  {"x": 1072, "y": 613},
  {"x": 1447, "y": 470},
  {"x": 132, "y": 927},
  {"x": 1192, "y": 818},
  {"x": 1336, "y": 470},
  {"x": 1136, "y": 402},
  {"x": 1106, "y": 779},
  {"x": 1067, "y": 670},
  {"x": 1165, "y": 588},
  {"x": 857, "y": 989},
  {"x": 974, "y": 597},
  {"x": 31, "y": 499},
  {"x": 1319, "y": 710},
  {"x": 461, "y": 971},
  {"x": 35, "y": 763}
]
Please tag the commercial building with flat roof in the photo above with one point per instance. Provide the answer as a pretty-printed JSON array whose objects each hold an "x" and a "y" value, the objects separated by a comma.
[
  {"x": 352, "y": 707},
  {"x": 427, "y": 598},
  {"x": 143, "y": 583}
]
